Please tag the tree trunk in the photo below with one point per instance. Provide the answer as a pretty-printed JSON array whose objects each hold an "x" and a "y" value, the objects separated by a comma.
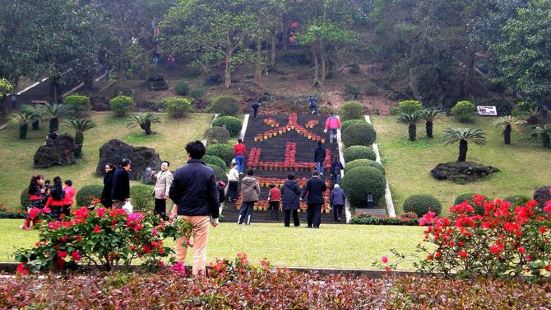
[
  {"x": 88, "y": 80},
  {"x": 23, "y": 129},
  {"x": 463, "y": 148},
  {"x": 54, "y": 124},
  {"x": 258, "y": 61},
  {"x": 317, "y": 82},
  {"x": 273, "y": 49},
  {"x": 546, "y": 140},
  {"x": 227, "y": 70},
  {"x": 55, "y": 90},
  {"x": 428, "y": 128},
  {"x": 146, "y": 127},
  {"x": 412, "y": 131},
  {"x": 4, "y": 105},
  {"x": 36, "y": 124},
  {"x": 323, "y": 61},
  {"x": 507, "y": 134},
  {"x": 79, "y": 141}
]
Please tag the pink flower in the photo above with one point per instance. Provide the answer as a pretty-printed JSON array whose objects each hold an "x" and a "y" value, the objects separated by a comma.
[
  {"x": 428, "y": 219},
  {"x": 33, "y": 213},
  {"x": 22, "y": 270},
  {"x": 97, "y": 229},
  {"x": 46, "y": 210},
  {"x": 82, "y": 214},
  {"x": 100, "y": 212},
  {"x": 154, "y": 232},
  {"x": 384, "y": 259},
  {"x": 75, "y": 255},
  {"x": 54, "y": 225},
  {"x": 179, "y": 268}
]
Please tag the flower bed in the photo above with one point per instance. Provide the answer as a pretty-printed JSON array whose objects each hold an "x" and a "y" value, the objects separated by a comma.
[
  {"x": 289, "y": 163},
  {"x": 292, "y": 124}
]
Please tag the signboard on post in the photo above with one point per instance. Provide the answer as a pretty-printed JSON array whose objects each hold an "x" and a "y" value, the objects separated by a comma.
[{"x": 486, "y": 110}]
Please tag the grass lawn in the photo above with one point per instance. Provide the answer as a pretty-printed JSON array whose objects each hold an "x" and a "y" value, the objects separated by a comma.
[
  {"x": 524, "y": 164},
  {"x": 17, "y": 155},
  {"x": 331, "y": 246}
]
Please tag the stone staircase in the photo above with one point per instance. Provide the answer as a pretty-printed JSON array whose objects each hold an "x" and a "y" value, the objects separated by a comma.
[{"x": 277, "y": 146}]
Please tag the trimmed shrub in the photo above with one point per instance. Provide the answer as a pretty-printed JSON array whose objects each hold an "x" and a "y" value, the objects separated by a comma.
[
  {"x": 368, "y": 219},
  {"x": 192, "y": 71},
  {"x": 409, "y": 106},
  {"x": 361, "y": 181},
  {"x": 351, "y": 122},
  {"x": 197, "y": 93},
  {"x": 469, "y": 196},
  {"x": 421, "y": 204},
  {"x": 213, "y": 80},
  {"x": 351, "y": 110},
  {"x": 358, "y": 152},
  {"x": 121, "y": 105},
  {"x": 231, "y": 123},
  {"x": 177, "y": 107},
  {"x": 181, "y": 88},
  {"x": 364, "y": 163},
  {"x": 352, "y": 91},
  {"x": 219, "y": 173},
  {"x": 517, "y": 200},
  {"x": 224, "y": 151},
  {"x": 88, "y": 193},
  {"x": 24, "y": 199},
  {"x": 225, "y": 105},
  {"x": 217, "y": 135},
  {"x": 214, "y": 160},
  {"x": 141, "y": 197},
  {"x": 464, "y": 111},
  {"x": 79, "y": 105},
  {"x": 359, "y": 134}
]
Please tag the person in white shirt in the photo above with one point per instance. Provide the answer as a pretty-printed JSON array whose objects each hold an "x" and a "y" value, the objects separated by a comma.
[
  {"x": 162, "y": 187},
  {"x": 233, "y": 183}
]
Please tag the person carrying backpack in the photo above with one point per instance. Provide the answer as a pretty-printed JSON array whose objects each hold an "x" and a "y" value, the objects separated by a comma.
[{"x": 332, "y": 124}]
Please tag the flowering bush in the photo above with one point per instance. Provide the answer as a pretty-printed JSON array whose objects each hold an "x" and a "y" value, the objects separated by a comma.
[
  {"x": 506, "y": 240},
  {"x": 103, "y": 238}
]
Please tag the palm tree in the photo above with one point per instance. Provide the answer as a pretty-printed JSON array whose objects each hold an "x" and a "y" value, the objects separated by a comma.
[
  {"x": 36, "y": 113},
  {"x": 545, "y": 133},
  {"x": 144, "y": 120},
  {"x": 411, "y": 120},
  {"x": 23, "y": 119},
  {"x": 80, "y": 126},
  {"x": 53, "y": 112},
  {"x": 464, "y": 136},
  {"x": 509, "y": 123},
  {"x": 430, "y": 117}
]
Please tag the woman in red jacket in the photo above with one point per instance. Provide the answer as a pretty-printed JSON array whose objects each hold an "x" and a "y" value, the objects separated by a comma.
[
  {"x": 56, "y": 199},
  {"x": 70, "y": 192},
  {"x": 36, "y": 193}
]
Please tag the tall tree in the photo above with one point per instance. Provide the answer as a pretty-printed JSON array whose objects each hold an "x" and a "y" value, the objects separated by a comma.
[{"x": 5, "y": 88}]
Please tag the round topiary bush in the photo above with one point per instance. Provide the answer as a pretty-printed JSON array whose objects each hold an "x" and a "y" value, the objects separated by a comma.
[
  {"x": 225, "y": 105},
  {"x": 181, "y": 88},
  {"x": 121, "y": 105},
  {"x": 197, "y": 93},
  {"x": 24, "y": 199},
  {"x": 464, "y": 111},
  {"x": 358, "y": 152},
  {"x": 79, "y": 105},
  {"x": 517, "y": 200},
  {"x": 217, "y": 135},
  {"x": 219, "y": 173},
  {"x": 88, "y": 193},
  {"x": 409, "y": 106},
  {"x": 421, "y": 204},
  {"x": 232, "y": 124},
  {"x": 214, "y": 160},
  {"x": 177, "y": 107},
  {"x": 359, "y": 182},
  {"x": 469, "y": 196},
  {"x": 224, "y": 151},
  {"x": 351, "y": 110},
  {"x": 351, "y": 122},
  {"x": 141, "y": 197},
  {"x": 364, "y": 163},
  {"x": 359, "y": 134}
]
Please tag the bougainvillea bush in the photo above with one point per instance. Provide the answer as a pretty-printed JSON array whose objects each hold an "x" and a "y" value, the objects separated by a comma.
[
  {"x": 506, "y": 240},
  {"x": 103, "y": 238}
]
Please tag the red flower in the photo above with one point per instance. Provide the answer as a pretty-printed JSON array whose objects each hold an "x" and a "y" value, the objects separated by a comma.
[
  {"x": 542, "y": 229},
  {"x": 22, "y": 270},
  {"x": 384, "y": 259},
  {"x": 521, "y": 250},
  {"x": 462, "y": 254},
  {"x": 61, "y": 254},
  {"x": 46, "y": 210},
  {"x": 496, "y": 248},
  {"x": 428, "y": 219},
  {"x": 479, "y": 199},
  {"x": 64, "y": 239},
  {"x": 100, "y": 212},
  {"x": 97, "y": 229},
  {"x": 147, "y": 249},
  {"x": 547, "y": 207},
  {"x": 33, "y": 213},
  {"x": 54, "y": 225},
  {"x": 438, "y": 254},
  {"x": 75, "y": 255},
  {"x": 82, "y": 214}
]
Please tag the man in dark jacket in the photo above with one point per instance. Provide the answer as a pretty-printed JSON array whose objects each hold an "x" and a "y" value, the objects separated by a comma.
[
  {"x": 290, "y": 194},
  {"x": 315, "y": 187},
  {"x": 195, "y": 194},
  {"x": 106, "y": 200},
  {"x": 120, "y": 192},
  {"x": 337, "y": 202},
  {"x": 319, "y": 157}
]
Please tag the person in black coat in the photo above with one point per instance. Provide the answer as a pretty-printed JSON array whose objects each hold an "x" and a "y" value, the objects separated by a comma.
[
  {"x": 290, "y": 197},
  {"x": 315, "y": 187},
  {"x": 319, "y": 157},
  {"x": 106, "y": 199},
  {"x": 120, "y": 192}
]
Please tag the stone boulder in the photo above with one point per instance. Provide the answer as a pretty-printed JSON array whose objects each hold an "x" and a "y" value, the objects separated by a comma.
[
  {"x": 59, "y": 152},
  {"x": 142, "y": 157},
  {"x": 462, "y": 172},
  {"x": 542, "y": 195},
  {"x": 99, "y": 103}
]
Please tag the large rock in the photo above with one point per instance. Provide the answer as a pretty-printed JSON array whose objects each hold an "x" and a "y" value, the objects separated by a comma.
[
  {"x": 462, "y": 172},
  {"x": 542, "y": 195},
  {"x": 59, "y": 152},
  {"x": 142, "y": 157}
]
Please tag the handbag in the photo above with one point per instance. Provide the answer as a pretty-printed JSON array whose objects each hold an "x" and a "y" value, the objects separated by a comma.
[{"x": 128, "y": 207}]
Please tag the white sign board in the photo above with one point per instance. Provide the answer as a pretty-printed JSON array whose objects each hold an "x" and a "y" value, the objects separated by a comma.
[{"x": 486, "y": 110}]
